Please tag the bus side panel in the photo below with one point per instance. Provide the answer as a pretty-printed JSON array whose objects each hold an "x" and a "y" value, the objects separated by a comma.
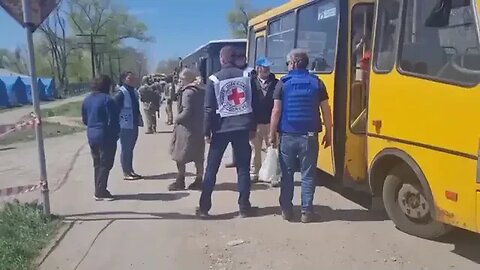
[
  {"x": 478, "y": 211},
  {"x": 461, "y": 213},
  {"x": 325, "y": 159}
]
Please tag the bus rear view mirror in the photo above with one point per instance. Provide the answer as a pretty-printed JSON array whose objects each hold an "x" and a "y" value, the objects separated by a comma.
[
  {"x": 440, "y": 15},
  {"x": 202, "y": 68}
]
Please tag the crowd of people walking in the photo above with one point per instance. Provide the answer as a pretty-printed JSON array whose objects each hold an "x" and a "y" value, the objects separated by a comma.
[{"x": 238, "y": 106}]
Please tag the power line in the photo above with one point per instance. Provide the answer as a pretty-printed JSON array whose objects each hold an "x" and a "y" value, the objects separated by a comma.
[{"x": 92, "y": 44}]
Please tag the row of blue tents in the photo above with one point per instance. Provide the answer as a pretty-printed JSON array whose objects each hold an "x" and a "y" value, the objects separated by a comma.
[{"x": 17, "y": 90}]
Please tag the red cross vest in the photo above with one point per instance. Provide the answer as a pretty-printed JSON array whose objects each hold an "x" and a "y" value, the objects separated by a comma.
[{"x": 234, "y": 96}]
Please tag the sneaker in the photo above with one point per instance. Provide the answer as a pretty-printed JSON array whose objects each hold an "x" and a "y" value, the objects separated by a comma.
[
  {"x": 176, "y": 186},
  {"x": 136, "y": 175},
  {"x": 307, "y": 217},
  {"x": 275, "y": 184},
  {"x": 201, "y": 214},
  {"x": 250, "y": 212},
  {"x": 107, "y": 196},
  {"x": 254, "y": 178},
  {"x": 287, "y": 215},
  {"x": 197, "y": 184},
  {"x": 230, "y": 165},
  {"x": 131, "y": 178}
]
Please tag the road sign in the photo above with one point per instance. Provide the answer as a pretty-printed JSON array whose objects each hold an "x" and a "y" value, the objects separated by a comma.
[{"x": 40, "y": 9}]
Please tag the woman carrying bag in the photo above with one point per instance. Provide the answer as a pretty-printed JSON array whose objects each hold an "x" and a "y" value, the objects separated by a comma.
[{"x": 188, "y": 144}]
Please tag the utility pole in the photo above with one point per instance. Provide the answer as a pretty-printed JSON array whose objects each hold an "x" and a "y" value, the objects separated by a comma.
[
  {"x": 92, "y": 44},
  {"x": 119, "y": 59}
]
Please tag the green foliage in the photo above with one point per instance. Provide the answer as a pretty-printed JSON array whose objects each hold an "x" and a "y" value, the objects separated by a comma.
[
  {"x": 24, "y": 231},
  {"x": 238, "y": 17},
  {"x": 167, "y": 66},
  {"x": 72, "y": 109}
]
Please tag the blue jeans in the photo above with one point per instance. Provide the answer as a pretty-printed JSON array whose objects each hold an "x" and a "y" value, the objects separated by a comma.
[
  {"x": 128, "y": 139},
  {"x": 242, "y": 153},
  {"x": 298, "y": 149}
]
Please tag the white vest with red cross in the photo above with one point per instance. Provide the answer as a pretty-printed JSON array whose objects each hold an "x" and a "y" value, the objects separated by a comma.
[{"x": 234, "y": 96}]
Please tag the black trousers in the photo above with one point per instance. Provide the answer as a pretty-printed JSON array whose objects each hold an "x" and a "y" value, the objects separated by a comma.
[{"x": 103, "y": 156}]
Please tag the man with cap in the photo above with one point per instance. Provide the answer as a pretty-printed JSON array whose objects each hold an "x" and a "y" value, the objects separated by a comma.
[
  {"x": 265, "y": 82},
  {"x": 230, "y": 107}
]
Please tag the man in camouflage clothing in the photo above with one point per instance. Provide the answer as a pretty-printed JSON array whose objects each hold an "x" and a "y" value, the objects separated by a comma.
[
  {"x": 169, "y": 98},
  {"x": 151, "y": 104}
]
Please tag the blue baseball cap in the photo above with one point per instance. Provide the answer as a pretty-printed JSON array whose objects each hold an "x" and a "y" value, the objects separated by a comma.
[{"x": 263, "y": 62}]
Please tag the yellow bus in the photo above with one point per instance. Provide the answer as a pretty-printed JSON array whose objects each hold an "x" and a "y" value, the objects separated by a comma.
[{"x": 406, "y": 119}]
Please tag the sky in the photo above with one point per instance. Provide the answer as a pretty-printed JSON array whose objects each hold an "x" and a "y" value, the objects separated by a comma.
[{"x": 177, "y": 26}]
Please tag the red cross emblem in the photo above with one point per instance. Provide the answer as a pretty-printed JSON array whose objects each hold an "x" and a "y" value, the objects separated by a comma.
[{"x": 237, "y": 96}]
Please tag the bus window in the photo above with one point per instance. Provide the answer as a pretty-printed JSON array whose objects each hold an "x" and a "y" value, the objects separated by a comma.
[
  {"x": 280, "y": 41},
  {"x": 260, "y": 47},
  {"x": 386, "y": 35},
  {"x": 251, "y": 47},
  {"x": 444, "y": 48},
  {"x": 317, "y": 33}
]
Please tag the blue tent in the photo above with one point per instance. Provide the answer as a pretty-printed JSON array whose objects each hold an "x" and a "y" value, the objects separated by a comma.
[
  {"x": 15, "y": 90},
  {"x": 4, "y": 102},
  {"x": 27, "y": 81},
  {"x": 49, "y": 88}
]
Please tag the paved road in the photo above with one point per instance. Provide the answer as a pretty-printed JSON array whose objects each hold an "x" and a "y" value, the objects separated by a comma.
[{"x": 151, "y": 228}]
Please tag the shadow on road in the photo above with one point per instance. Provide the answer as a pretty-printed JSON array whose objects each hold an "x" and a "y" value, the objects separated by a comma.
[
  {"x": 152, "y": 196},
  {"x": 165, "y": 176},
  {"x": 466, "y": 244},
  {"x": 7, "y": 149},
  {"x": 230, "y": 186}
]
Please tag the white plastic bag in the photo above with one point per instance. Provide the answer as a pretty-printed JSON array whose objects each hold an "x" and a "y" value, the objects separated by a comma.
[{"x": 270, "y": 170}]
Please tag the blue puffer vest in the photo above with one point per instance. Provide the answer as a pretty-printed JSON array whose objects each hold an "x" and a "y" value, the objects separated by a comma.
[{"x": 300, "y": 110}]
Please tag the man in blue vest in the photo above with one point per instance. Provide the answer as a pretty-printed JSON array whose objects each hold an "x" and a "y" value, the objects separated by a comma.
[
  {"x": 296, "y": 116},
  {"x": 127, "y": 101},
  {"x": 230, "y": 106}
]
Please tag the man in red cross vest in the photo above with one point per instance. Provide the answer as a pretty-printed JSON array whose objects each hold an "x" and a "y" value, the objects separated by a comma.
[{"x": 230, "y": 107}]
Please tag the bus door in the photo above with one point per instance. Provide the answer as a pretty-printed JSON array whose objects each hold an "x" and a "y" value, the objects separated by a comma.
[
  {"x": 359, "y": 68},
  {"x": 256, "y": 45}
]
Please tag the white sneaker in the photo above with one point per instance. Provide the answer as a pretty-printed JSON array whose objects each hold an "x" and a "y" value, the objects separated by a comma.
[{"x": 275, "y": 184}]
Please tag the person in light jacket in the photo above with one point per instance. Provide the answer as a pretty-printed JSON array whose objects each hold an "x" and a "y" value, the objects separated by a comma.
[{"x": 188, "y": 144}]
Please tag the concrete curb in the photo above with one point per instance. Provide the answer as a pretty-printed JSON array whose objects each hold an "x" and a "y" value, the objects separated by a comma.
[{"x": 65, "y": 227}]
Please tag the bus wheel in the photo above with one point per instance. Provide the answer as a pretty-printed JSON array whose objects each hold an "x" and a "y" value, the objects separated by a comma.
[{"x": 407, "y": 205}]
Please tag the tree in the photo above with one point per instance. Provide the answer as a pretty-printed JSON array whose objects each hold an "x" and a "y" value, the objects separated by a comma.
[
  {"x": 167, "y": 66},
  {"x": 238, "y": 17},
  {"x": 54, "y": 31},
  {"x": 14, "y": 61},
  {"x": 102, "y": 17}
]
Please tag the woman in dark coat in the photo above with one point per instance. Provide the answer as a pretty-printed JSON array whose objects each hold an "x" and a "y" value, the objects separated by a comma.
[
  {"x": 100, "y": 115},
  {"x": 188, "y": 144}
]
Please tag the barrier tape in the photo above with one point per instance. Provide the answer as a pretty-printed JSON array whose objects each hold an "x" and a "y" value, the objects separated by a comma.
[
  {"x": 6, "y": 192},
  {"x": 20, "y": 125}
]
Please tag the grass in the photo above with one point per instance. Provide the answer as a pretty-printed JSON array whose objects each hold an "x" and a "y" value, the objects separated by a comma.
[
  {"x": 50, "y": 130},
  {"x": 24, "y": 232},
  {"x": 72, "y": 109}
]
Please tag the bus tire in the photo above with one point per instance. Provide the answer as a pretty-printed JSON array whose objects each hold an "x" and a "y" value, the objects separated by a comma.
[{"x": 406, "y": 205}]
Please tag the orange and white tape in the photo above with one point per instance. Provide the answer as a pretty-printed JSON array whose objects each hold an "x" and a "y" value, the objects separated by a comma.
[
  {"x": 20, "y": 125},
  {"x": 6, "y": 192}
]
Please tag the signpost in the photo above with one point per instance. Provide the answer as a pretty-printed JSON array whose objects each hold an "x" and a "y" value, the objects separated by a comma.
[{"x": 31, "y": 14}]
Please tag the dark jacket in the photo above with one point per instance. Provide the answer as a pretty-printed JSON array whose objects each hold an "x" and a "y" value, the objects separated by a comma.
[
  {"x": 213, "y": 122},
  {"x": 265, "y": 98},
  {"x": 100, "y": 115},
  {"x": 118, "y": 98}
]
